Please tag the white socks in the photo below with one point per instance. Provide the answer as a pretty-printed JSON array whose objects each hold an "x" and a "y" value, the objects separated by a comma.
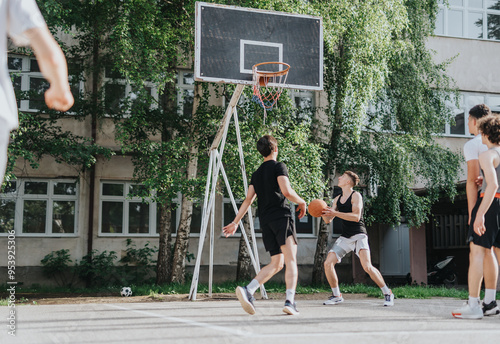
[
  {"x": 489, "y": 296},
  {"x": 290, "y": 295},
  {"x": 336, "y": 291},
  {"x": 473, "y": 301},
  {"x": 385, "y": 290},
  {"x": 253, "y": 286}
]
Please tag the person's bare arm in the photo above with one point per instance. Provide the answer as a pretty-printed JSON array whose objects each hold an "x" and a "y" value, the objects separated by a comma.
[
  {"x": 291, "y": 195},
  {"x": 53, "y": 67},
  {"x": 471, "y": 186},
  {"x": 231, "y": 228},
  {"x": 487, "y": 160},
  {"x": 328, "y": 213}
]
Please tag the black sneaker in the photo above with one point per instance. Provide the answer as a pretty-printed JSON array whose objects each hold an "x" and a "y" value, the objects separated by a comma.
[
  {"x": 290, "y": 308},
  {"x": 246, "y": 299},
  {"x": 491, "y": 308}
]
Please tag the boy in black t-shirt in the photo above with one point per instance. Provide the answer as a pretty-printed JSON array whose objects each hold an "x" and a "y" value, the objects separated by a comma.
[{"x": 271, "y": 186}]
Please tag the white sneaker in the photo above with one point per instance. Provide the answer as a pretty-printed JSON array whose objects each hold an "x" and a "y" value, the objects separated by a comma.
[
  {"x": 334, "y": 300},
  {"x": 246, "y": 299},
  {"x": 389, "y": 300},
  {"x": 468, "y": 312}
]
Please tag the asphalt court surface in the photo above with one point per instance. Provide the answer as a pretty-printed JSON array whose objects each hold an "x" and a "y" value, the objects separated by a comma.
[{"x": 354, "y": 321}]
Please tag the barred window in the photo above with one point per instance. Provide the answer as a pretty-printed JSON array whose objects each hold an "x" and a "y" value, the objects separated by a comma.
[{"x": 449, "y": 231}]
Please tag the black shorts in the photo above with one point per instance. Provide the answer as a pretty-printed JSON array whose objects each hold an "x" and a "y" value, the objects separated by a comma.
[
  {"x": 492, "y": 223},
  {"x": 275, "y": 233}
]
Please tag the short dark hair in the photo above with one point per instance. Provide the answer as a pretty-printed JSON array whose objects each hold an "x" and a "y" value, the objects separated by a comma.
[
  {"x": 354, "y": 177},
  {"x": 490, "y": 127},
  {"x": 480, "y": 111},
  {"x": 266, "y": 145}
]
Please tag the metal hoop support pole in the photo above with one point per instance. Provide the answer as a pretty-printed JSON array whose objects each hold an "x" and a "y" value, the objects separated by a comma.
[
  {"x": 250, "y": 216},
  {"x": 215, "y": 166}
]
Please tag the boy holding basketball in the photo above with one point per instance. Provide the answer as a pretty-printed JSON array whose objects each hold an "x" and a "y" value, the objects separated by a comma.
[
  {"x": 349, "y": 207},
  {"x": 271, "y": 186}
]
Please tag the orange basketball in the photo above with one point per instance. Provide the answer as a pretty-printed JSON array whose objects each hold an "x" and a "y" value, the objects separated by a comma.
[{"x": 316, "y": 207}]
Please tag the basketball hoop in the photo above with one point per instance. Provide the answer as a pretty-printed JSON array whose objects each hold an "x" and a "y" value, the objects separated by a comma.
[{"x": 268, "y": 85}]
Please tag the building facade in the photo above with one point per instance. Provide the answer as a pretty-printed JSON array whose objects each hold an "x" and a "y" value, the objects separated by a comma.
[{"x": 53, "y": 207}]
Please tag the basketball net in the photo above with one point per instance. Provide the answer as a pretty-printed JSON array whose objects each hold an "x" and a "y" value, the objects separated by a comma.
[{"x": 268, "y": 85}]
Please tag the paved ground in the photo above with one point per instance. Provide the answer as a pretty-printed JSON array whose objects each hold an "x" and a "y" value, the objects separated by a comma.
[{"x": 357, "y": 320}]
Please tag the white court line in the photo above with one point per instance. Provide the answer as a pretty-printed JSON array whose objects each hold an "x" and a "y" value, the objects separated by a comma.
[
  {"x": 189, "y": 322},
  {"x": 305, "y": 334}
]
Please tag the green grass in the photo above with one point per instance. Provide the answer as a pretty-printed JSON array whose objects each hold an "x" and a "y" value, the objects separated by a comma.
[{"x": 407, "y": 292}]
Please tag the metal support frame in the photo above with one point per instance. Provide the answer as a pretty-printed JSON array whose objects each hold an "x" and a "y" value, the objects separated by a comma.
[{"x": 215, "y": 168}]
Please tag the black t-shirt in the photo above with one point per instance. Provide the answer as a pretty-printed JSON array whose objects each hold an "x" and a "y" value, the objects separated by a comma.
[{"x": 270, "y": 199}]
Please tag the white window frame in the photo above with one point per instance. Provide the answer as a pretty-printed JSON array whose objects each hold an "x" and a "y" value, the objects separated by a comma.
[
  {"x": 492, "y": 100},
  {"x": 181, "y": 87},
  {"x": 125, "y": 216},
  {"x": 294, "y": 93},
  {"x": 26, "y": 76},
  {"x": 465, "y": 9},
  {"x": 50, "y": 197},
  {"x": 128, "y": 89}
]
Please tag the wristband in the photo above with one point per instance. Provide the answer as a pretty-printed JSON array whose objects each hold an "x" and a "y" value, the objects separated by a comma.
[{"x": 234, "y": 223}]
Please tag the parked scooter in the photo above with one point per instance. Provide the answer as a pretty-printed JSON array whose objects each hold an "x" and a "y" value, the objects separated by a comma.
[{"x": 443, "y": 272}]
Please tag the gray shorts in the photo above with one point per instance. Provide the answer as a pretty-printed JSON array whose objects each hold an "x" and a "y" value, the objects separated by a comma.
[{"x": 343, "y": 245}]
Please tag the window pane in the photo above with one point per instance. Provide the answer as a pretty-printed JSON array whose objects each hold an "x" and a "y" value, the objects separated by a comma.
[
  {"x": 476, "y": 3},
  {"x": 440, "y": 23},
  {"x": 138, "y": 217},
  {"x": 459, "y": 127},
  {"x": 475, "y": 100},
  {"x": 188, "y": 78},
  {"x": 196, "y": 219},
  {"x": 494, "y": 27},
  {"x": 63, "y": 220},
  {"x": 475, "y": 25},
  {"x": 35, "y": 188},
  {"x": 34, "y": 66},
  {"x": 455, "y": 23},
  {"x": 34, "y": 216},
  {"x": 112, "y": 189},
  {"x": 112, "y": 217},
  {"x": 456, "y": 2},
  {"x": 16, "y": 83},
  {"x": 494, "y": 103},
  {"x": 64, "y": 188},
  {"x": 15, "y": 63},
  {"x": 38, "y": 86},
  {"x": 138, "y": 190},
  {"x": 304, "y": 225},
  {"x": 303, "y": 102},
  {"x": 187, "y": 102},
  {"x": 493, "y": 4},
  {"x": 7, "y": 215},
  {"x": 114, "y": 94}
]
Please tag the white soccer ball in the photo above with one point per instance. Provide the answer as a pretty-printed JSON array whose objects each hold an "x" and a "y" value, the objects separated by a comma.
[{"x": 126, "y": 291}]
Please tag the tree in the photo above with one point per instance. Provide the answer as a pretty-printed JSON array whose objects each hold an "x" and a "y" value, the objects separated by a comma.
[
  {"x": 41, "y": 133},
  {"x": 138, "y": 41},
  {"x": 381, "y": 59}
]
